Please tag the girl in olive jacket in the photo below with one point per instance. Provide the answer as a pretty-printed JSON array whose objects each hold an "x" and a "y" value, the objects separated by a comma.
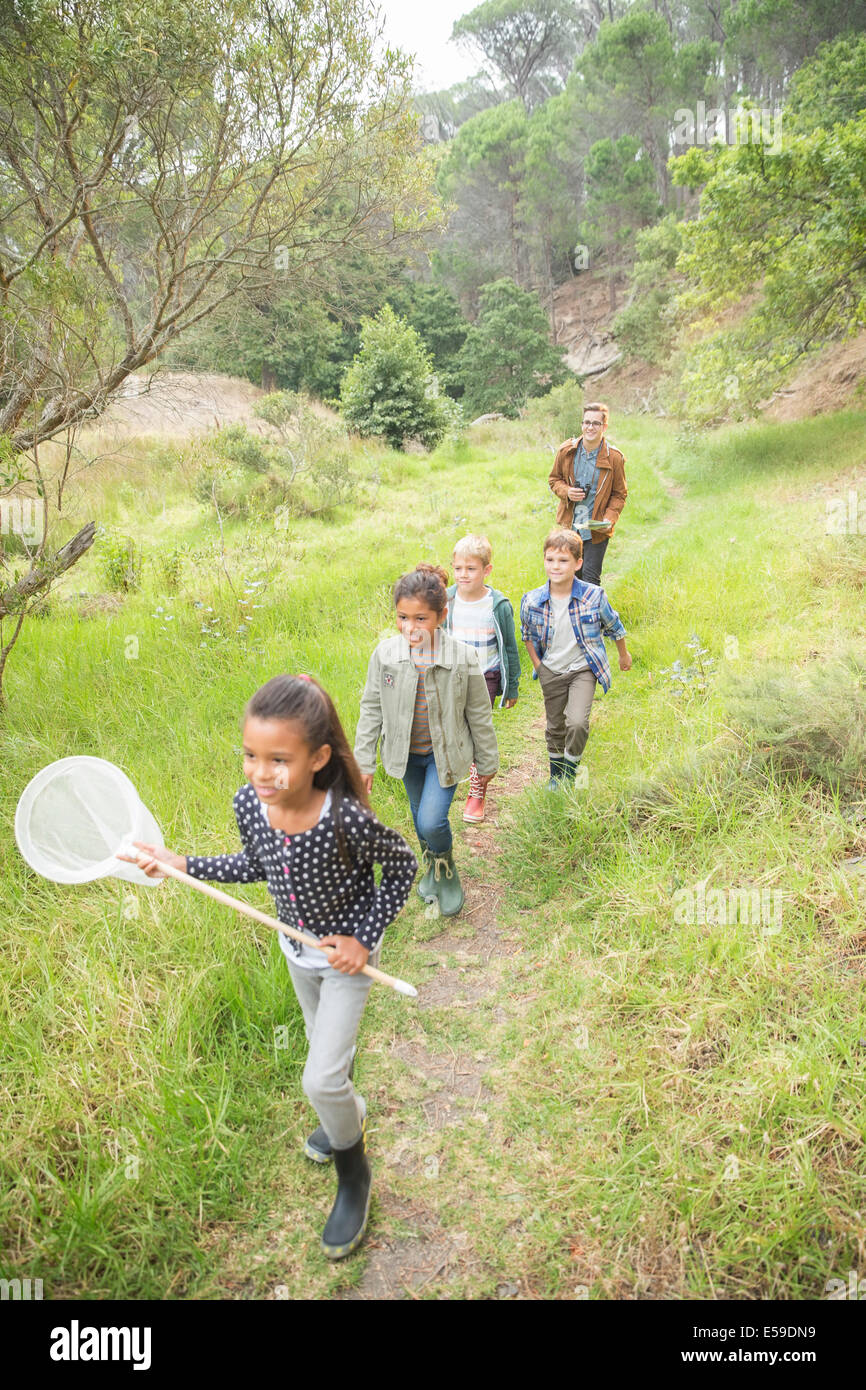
[{"x": 426, "y": 706}]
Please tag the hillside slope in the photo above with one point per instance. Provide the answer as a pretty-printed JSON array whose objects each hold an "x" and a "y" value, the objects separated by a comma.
[{"x": 835, "y": 379}]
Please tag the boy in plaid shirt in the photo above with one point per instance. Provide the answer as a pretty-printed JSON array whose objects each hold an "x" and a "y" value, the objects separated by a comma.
[{"x": 563, "y": 625}]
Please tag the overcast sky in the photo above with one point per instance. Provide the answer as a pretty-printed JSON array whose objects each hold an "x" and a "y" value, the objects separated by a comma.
[{"x": 423, "y": 27}]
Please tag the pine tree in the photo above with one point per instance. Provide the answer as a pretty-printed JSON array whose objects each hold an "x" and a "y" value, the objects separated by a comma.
[
  {"x": 390, "y": 388},
  {"x": 507, "y": 356}
]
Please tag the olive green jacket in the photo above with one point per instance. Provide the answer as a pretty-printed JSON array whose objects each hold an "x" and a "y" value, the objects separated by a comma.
[{"x": 461, "y": 724}]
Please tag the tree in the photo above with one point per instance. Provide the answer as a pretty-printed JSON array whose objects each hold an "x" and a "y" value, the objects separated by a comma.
[
  {"x": 620, "y": 198},
  {"x": 482, "y": 172},
  {"x": 630, "y": 76},
  {"x": 646, "y": 328},
  {"x": 830, "y": 88},
  {"x": 507, "y": 356},
  {"x": 291, "y": 344},
  {"x": 297, "y": 337},
  {"x": 444, "y": 112},
  {"x": 786, "y": 229},
  {"x": 551, "y": 192},
  {"x": 435, "y": 315},
  {"x": 390, "y": 388},
  {"x": 157, "y": 158},
  {"x": 770, "y": 39},
  {"x": 526, "y": 41}
]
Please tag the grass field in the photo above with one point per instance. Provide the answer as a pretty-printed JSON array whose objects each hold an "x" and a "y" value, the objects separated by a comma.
[{"x": 667, "y": 1031}]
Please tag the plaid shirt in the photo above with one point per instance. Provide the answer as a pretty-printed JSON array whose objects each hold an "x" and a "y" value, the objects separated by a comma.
[{"x": 592, "y": 619}]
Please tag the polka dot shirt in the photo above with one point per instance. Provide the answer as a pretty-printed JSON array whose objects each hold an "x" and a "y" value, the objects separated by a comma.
[{"x": 314, "y": 890}]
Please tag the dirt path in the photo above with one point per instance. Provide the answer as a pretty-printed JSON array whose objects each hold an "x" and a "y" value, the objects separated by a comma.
[{"x": 425, "y": 1143}]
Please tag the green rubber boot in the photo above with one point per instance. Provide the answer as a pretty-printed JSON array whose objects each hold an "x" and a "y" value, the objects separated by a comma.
[
  {"x": 450, "y": 891},
  {"x": 427, "y": 889}
]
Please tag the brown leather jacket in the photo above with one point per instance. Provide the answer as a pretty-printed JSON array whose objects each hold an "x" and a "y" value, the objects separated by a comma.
[{"x": 610, "y": 496}]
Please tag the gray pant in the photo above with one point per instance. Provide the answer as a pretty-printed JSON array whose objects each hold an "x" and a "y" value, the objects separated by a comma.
[
  {"x": 567, "y": 702},
  {"x": 332, "y": 1004}
]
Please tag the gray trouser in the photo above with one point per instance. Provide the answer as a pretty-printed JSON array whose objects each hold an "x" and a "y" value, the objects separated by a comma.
[
  {"x": 567, "y": 702},
  {"x": 332, "y": 1004}
]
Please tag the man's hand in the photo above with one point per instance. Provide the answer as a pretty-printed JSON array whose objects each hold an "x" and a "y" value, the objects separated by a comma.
[
  {"x": 349, "y": 956},
  {"x": 624, "y": 661},
  {"x": 367, "y": 780},
  {"x": 576, "y": 494},
  {"x": 509, "y": 704}
]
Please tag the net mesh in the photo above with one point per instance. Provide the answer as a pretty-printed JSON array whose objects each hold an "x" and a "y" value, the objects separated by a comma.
[
  {"x": 71, "y": 833},
  {"x": 75, "y": 815}
]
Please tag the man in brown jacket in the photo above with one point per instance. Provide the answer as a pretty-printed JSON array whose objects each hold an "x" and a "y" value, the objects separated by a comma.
[{"x": 588, "y": 477}]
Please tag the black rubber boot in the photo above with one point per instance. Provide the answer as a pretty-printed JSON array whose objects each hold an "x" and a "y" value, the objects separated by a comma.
[
  {"x": 345, "y": 1227},
  {"x": 558, "y": 772},
  {"x": 318, "y": 1146}
]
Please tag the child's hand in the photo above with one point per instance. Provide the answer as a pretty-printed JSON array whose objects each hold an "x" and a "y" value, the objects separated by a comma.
[
  {"x": 509, "y": 704},
  {"x": 349, "y": 955},
  {"x": 367, "y": 780},
  {"x": 483, "y": 781},
  {"x": 157, "y": 854},
  {"x": 625, "y": 661}
]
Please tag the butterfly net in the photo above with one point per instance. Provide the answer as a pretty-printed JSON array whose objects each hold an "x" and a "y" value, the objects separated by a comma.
[{"x": 75, "y": 815}]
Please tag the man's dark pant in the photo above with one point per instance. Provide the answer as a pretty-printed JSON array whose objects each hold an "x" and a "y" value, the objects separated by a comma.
[{"x": 593, "y": 555}]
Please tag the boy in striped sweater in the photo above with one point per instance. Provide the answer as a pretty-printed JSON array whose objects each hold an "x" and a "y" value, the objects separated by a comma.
[{"x": 483, "y": 618}]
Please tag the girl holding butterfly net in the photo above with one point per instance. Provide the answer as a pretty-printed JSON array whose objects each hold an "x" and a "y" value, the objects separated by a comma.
[{"x": 307, "y": 830}]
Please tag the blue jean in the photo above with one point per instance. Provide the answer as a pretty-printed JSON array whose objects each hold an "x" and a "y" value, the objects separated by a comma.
[{"x": 429, "y": 801}]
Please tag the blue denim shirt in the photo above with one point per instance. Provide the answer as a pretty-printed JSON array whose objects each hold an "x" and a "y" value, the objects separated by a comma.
[
  {"x": 586, "y": 475},
  {"x": 592, "y": 619}
]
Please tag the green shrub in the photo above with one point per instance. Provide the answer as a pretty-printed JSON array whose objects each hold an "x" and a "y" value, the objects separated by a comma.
[
  {"x": 333, "y": 479},
  {"x": 645, "y": 329},
  {"x": 223, "y": 485},
  {"x": 120, "y": 561},
  {"x": 304, "y": 437},
  {"x": 310, "y": 457},
  {"x": 271, "y": 492},
  {"x": 390, "y": 389},
  {"x": 238, "y": 445},
  {"x": 561, "y": 410},
  {"x": 647, "y": 326},
  {"x": 169, "y": 569}
]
